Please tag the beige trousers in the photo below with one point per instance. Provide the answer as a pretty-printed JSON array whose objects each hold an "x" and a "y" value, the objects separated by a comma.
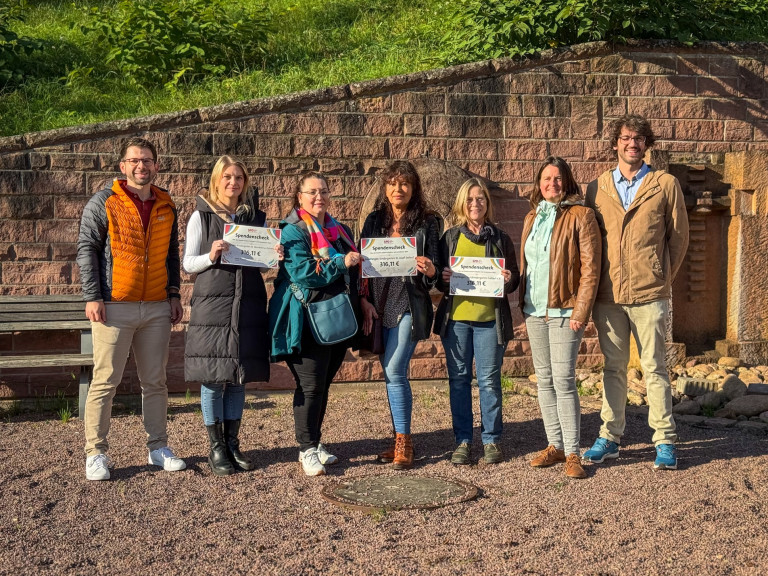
[
  {"x": 144, "y": 327},
  {"x": 647, "y": 323}
]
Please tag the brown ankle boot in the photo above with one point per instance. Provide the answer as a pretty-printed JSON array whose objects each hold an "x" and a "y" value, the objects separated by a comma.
[
  {"x": 388, "y": 455},
  {"x": 573, "y": 467},
  {"x": 550, "y": 455},
  {"x": 403, "y": 452}
]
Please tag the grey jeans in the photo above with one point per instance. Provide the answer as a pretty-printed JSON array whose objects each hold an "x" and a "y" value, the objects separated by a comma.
[{"x": 554, "y": 349}]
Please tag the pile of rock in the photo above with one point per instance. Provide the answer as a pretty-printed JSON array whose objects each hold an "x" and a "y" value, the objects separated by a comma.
[{"x": 717, "y": 393}]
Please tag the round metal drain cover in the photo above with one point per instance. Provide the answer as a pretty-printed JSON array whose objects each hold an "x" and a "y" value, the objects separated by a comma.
[{"x": 398, "y": 492}]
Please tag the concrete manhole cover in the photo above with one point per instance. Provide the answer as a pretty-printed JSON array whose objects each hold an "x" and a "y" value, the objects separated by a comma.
[{"x": 398, "y": 492}]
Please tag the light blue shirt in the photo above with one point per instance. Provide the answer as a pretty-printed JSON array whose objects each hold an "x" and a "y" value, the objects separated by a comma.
[
  {"x": 627, "y": 189},
  {"x": 537, "y": 260}
]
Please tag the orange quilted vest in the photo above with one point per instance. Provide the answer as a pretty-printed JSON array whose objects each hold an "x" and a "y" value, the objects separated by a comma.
[{"x": 139, "y": 270}]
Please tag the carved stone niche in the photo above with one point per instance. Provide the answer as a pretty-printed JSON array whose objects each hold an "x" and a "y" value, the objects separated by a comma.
[{"x": 440, "y": 181}]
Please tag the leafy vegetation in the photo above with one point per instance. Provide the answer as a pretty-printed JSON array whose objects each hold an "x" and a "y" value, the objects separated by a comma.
[
  {"x": 14, "y": 48},
  {"x": 165, "y": 41},
  {"x": 67, "y": 62},
  {"x": 479, "y": 29}
]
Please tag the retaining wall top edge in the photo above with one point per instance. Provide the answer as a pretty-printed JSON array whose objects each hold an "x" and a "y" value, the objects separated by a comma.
[{"x": 368, "y": 88}]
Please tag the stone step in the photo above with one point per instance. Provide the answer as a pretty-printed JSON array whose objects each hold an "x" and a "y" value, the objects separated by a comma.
[{"x": 696, "y": 386}]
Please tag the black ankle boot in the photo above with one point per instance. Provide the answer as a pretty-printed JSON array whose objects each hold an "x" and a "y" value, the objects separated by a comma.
[
  {"x": 217, "y": 459},
  {"x": 237, "y": 458}
]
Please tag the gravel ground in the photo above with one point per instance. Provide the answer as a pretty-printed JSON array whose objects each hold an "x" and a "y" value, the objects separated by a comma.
[{"x": 709, "y": 517}]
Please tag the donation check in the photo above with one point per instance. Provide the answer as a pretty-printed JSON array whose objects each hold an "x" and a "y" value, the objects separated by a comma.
[
  {"x": 388, "y": 256},
  {"x": 250, "y": 246},
  {"x": 477, "y": 276}
]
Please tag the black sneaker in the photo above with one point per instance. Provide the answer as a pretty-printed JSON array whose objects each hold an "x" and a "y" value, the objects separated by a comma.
[{"x": 460, "y": 456}]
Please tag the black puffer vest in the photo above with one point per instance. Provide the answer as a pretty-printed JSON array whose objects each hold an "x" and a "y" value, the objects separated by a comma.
[{"x": 227, "y": 339}]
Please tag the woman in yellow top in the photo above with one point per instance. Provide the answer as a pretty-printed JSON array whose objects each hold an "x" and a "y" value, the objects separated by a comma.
[{"x": 478, "y": 327}]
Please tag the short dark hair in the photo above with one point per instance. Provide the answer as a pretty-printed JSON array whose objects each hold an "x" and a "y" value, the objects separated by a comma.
[
  {"x": 139, "y": 142},
  {"x": 635, "y": 123},
  {"x": 569, "y": 182},
  {"x": 416, "y": 211},
  {"x": 303, "y": 177}
]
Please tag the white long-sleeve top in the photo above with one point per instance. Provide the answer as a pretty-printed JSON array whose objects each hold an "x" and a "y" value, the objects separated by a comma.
[{"x": 194, "y": 262}]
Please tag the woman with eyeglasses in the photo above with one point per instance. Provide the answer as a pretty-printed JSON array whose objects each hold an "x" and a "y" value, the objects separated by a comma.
[
  {"x": 561, "y": 250},
  {"x": 404, "y": 302},
  {"x": 227, "y": 344},
  {"x": 475, "y": 327},
  {"x": 321, "y": 261}
]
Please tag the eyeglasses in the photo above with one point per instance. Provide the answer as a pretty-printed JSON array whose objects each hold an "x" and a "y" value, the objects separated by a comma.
[
  {"x": 637, "y": 139},
  {"x": 320, "y": 192},
  {"x": 137, "y": 161}
]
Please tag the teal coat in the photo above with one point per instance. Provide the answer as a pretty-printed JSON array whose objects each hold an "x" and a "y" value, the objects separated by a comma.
[{"x": 286, "y": 315}]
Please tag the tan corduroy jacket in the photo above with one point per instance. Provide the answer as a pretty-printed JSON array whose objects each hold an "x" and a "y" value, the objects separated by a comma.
[{"x": 643, "y": 247}]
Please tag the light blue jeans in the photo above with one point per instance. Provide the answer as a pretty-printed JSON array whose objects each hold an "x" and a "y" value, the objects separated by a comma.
[
  {"x": 554, "y": 349},
  {"x": 395, "y": 362},
  {"x": 462, "y": 342},
  {"x": 220, "y": 402}
]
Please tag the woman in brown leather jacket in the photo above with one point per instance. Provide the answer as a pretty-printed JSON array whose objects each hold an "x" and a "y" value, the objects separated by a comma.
[{"x": 560, "y": 269}]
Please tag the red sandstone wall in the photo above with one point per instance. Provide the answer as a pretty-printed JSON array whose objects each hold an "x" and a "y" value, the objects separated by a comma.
[{"x": 497, "y": 119}]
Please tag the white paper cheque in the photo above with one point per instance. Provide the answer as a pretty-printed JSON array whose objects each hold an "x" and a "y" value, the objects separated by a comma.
[
  {"x": 388, "y": 256},
  {"x": 250, "y": 246},
  {"x": 477, "y": 276}
]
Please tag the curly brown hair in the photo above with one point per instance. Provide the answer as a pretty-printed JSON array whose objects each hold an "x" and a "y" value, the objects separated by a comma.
[{"x": 634, "y": 123}]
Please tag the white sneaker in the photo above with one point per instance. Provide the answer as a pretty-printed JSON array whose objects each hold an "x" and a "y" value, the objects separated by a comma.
[
  {"x": 97, "y": 467},
  {"x": 167, "y": 459},
  {"x": 310, "y": 462},
  {"x": 325, "y": 457}
]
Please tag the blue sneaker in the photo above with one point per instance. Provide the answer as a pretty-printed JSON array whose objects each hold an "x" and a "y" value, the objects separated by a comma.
[
  {"x": 666, "y": 457},
  {"x": 601, "y": 449}
]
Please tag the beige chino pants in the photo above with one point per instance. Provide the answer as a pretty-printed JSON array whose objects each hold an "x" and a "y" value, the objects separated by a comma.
[
  {"x": 144, "y": 327},
  {"x": 647, "y": 323}
]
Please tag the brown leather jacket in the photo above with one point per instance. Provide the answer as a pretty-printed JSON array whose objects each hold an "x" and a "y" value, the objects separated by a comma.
[{"x": 575, "y": 254}]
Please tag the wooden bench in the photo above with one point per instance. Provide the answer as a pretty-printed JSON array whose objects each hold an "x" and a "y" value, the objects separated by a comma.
[{"x": 42, "y": 313}]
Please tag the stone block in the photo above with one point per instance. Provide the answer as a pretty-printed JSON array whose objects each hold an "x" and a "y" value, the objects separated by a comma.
[
  {"x": 699, "y": 130},
  {"x": 674, "y": 86},
  {"x": 756, "y": 389},
  {"x": 649, "y": 107},
  {"x": 717, "y": 87},
  {"x": 695, "y": 386},
  {"x": 687, "y": 407},
  {"x": 23, "y": 207},
  {"x": 481, "y": 127},
  {"x": 522, "y": 150},
  {"x": 41, "y": 273},
  {"x": 32, "y": 251},
  {"x": 728, "y": 362},
  {"x": 636, "y": 85},
  {"x": 239, "y": 145},
  {"x": 728, "y": 109},
  {"x": 419, "y": 103},
  {"x": 566, "y": 83},
  {"x": 512, "y": 171},
  {"x": 197, "y": 144},
  {"x": 689, "y": 108},
  {"x": 378, "y": 104},
  {"x": 585, "y": 117},
  {"x": 364, "y": 147},
  {"x": 528, "y": 83},
  {"x": 493, "y": 85},
  {"x": 315, "y": 146},
  {"x": 738, "y": 130},
  {"x": 444, "y": 126},
  {"x": 384, "y": 125},
  {"x": 42, "y": 183},
  {"x": 482, "y": 105},
  {"x": 712, "y": 400},
  {"x": 413, "y": 125},
  {"x": 410, "y": 148},
  {"x": 550, "y": 128},
  {"x": 472, "y": 149},
  {"x": 57, "y": 230},
  {"x": 517, "y": 128},
  {"x": 613, "y": 64},
  {"x": 534, "y": 105},
  {"x": 601, "y": 85}
]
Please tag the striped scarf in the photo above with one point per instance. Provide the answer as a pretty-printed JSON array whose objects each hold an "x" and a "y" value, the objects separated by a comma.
[{"x": 322, "y": 236}]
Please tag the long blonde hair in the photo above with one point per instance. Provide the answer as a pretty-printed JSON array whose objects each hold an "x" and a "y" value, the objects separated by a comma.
[
  {"x": 459, "y": 211},
  {"x": 246, "y": 196}
]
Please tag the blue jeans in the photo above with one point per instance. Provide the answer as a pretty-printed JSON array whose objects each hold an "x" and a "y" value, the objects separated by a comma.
[
  {"x": 220, "y": 402},
  {"x": 462, "y": 342},
  {"x": 554, "y": 350},
  {"x": 395, "y": 362}
]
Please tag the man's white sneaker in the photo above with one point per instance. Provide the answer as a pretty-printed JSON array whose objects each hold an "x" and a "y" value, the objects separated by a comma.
[
  {"x": 97, "y": 467},
  {"x": 310, "y": 462},
  {"x": 167, "y": 459},
  {"x": 325, "y": 457}
]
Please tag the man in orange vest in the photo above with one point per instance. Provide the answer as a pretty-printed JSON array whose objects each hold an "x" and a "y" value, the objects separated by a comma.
[{"x": 128, "y": 254}]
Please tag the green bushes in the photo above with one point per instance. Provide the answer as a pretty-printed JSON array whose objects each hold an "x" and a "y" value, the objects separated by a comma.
[
  {"x": 481, "y": 29},
  {"x": 14, "y": 48},
  {"x": 164, "y": 42}
]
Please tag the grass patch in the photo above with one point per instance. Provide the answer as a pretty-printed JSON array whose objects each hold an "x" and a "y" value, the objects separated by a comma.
[{"x": 313, "y": 44}]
